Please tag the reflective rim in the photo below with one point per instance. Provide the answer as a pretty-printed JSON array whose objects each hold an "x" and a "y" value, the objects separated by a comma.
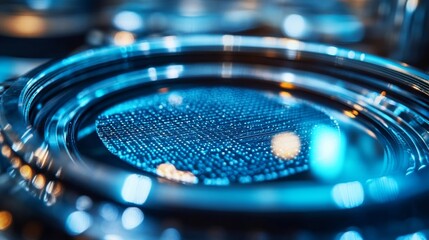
[{"x": 29, "y": 157}]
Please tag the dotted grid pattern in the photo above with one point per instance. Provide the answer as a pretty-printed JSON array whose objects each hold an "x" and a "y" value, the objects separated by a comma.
[{"x": 220, "y": 134}]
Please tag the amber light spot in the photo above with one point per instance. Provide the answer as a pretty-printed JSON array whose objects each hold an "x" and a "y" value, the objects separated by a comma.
[
  {"x": 39, "y": 181},
  {"x": 169, "y": 171},
  {"x": 26, "y": 25},
  {"x": 286, "y": 145},
  {"x": 123, "y": 38},
  {"x": 287, "y": 85},
  {"x": 5, "y": 220},
  {"x": 284, "y": 94},
  {"x": 349, "y": 114},
  {"x": 26, "y": 172}
]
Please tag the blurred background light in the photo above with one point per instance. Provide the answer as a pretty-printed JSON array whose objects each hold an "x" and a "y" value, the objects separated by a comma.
[
  {"x": 350, "y": 235},
  {"x": 170, "y": 234},
  {"x": 327, "y": 152},
  {"x": 413, "y": 236},
  {"x": 348, "y": 195},
  {"x": 128, "y": 21},
  {"x": 132, "y": 217},
  {"x": 136, "y": 189},
  {"x": 295, "y": 26},
  {"x": 5, "y": 220},
  {"x": 383, "y": 189},
  {"x": 78, "y": 222}
]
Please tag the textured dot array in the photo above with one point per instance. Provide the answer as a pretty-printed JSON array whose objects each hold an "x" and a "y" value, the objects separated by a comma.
[{"x": 222, "y": 135}]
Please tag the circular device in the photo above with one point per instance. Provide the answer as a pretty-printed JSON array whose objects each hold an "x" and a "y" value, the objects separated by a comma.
[{"x": 224, "y": 124}]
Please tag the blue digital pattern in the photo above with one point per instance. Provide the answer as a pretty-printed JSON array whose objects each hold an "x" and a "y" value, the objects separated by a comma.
[{"x": 222, "y": 135}]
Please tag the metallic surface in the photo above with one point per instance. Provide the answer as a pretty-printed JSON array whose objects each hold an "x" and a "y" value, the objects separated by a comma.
[{"x": 51, "y": 147}]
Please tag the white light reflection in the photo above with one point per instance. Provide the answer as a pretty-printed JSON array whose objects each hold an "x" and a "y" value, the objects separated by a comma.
[
  {"x": 350, "y": 235},
  {"x": 288, "y": 77},
  {"x": 295, "y": 26},
  {"x": 332, "y": 51},
  {"x": 128, "y": 21},
  {"x": 78, "y": 222},
  {"x": 132, "y": 217},
  {"x": 327, "y": 152},
  {"x": 112, "y": 237},
  {"x": 228, "y": 42},
  {"x": 170, "y": 43},
  {"x": 348, "y": 195},
  {"x": 383, "y": 189},
  {"x": 136, "y": 189},
  {"x": 152, "y": 74},
  {"x": 175, "y": 99},
  {"x": 174, "y": 71}
]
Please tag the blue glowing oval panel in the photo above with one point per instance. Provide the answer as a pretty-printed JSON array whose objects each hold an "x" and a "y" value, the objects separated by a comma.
[{"x": 214, "y": 135}]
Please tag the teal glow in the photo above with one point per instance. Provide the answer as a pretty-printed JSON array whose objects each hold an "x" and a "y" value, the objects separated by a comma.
[
  {"x": 350, "y": 235},
  {"x": 348, "y": 195},
  {"x": 383, "y": 189},
  {"x": 327, "y": 152}
]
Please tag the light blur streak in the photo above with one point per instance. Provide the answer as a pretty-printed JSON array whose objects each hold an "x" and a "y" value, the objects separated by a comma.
[
  {"x": 136, "y": 189},
  {"x": 348, "y": 195},
  {"x": 383, "y": 189}
]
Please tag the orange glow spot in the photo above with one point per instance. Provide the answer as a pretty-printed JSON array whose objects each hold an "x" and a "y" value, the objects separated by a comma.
[
  {"x": 169, "y": 171},
  {"x": 123, "y": 38},
  {"x": 163, "y": 90},
  {"x": 383, "y": 93},
  {"x": 286, "y": 145},
  {"x": 54, "y": 188},
  {"x": 287, "y": 85},
  {"x": 26, "y": 25},
  {"x": 1, "y": 138},
  {"x": 349, "y": 114},
  {"x": 358, "y": 107},
  {"x": 26, "y": 172},
  {"x": 5, "y": 151},
  {"x": 39, "y": 181},
  {"x": 5, "y": 220},
  {"x": 284, "y": 94},
  {"x": 355, "y": 112},
  {"x": 15, "y": 162}
]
